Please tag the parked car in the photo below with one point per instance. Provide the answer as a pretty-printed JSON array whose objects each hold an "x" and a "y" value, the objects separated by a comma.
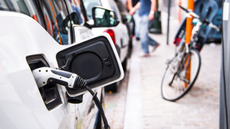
[
  {"x": 119, "y": 34},
  {"x": 27, "y": 46},
  {"x": 128, "y": 20}
]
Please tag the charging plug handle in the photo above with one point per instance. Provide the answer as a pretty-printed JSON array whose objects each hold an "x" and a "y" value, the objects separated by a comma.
[{"x": 46, "y": 75}]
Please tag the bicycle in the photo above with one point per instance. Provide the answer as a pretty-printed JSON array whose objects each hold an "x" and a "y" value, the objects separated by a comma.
[{"x": 182, "y": 71}]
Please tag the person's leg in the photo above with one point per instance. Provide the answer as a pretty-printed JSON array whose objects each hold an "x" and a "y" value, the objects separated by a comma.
[
  {"x": 146, "y": 40},
  {"x": 137, "y": 24},
  {"x": 151, "y": 41},
  {"x": 144, "y": 33}
]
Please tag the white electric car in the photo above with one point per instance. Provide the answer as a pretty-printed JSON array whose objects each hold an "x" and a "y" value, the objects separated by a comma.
[{"x": 30, "y": 45}]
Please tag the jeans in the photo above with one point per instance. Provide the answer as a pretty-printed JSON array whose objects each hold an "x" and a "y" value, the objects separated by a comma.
[
  {"x": 137, "y": 23},
  {"x": 144, "y": 37}
]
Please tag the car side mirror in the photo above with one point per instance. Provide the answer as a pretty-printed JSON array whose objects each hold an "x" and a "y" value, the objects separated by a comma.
[
  {"x": 70, "y": 19},
  {"x": 104, "y": 17},
  {"x": 95, "y": 60}
]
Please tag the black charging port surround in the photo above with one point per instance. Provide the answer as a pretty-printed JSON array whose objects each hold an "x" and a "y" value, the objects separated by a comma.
[{"x": 93, "y": 60}]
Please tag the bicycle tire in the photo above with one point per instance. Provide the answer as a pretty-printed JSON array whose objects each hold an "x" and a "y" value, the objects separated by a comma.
[{"x": 178, "y": 90}]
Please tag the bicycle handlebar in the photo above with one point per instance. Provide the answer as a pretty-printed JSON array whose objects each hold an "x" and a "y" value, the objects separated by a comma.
[
  {"x": 189, "y": 12},
  {"x": 197, "y": 16},
  {"x": 184, "y": 9},
  {"x": 214, "y": 26}
]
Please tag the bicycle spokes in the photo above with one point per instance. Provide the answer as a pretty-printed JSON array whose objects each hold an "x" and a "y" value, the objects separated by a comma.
[{"x": 180, "y": 76}]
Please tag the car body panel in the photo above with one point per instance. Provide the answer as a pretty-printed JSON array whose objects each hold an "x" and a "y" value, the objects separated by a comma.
[
  {"x": 21, "y": 103},
  {"x": 24, "y": 102},
  {"x": 64, "y": 116}
]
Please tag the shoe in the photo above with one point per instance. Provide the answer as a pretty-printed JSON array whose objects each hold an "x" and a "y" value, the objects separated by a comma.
[
  {"x": 155, "y": 47},
  {"x": 145, "y": 55},
  {"x": 138, "y": 38}
]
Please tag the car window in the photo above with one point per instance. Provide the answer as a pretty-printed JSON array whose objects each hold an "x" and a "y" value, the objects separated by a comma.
[
  {"x": 110, "y": 4},
  {"x": 75, "y": 4},
  {"x": 54, "y": 13},
  {"x": 23, "y": 6},
  {"x": 50, "y": 14},
  {"x": 89, "y": 4},
  {"x": 115, "y": 9},
  {"x": 18, "y": 5}
]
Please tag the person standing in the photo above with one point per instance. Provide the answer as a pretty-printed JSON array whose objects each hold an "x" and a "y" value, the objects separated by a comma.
[
  {"x": 130, "y": 5},
  {"x": 146, "y": 12}
]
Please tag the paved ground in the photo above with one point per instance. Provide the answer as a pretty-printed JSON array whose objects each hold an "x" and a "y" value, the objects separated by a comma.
[
  {"x": 143, "y": 107},
  {"x": 199, "y": 109},
  {"x": 115, "y": 103}
]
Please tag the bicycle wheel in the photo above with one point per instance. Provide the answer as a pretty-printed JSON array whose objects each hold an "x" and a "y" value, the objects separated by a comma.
[{"x": 175, "y": 83}]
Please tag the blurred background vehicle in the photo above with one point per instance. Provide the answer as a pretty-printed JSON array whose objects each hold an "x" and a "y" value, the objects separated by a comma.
[
  {"x": 128, "y": 20},
  {"x": 51, "y": 14},
  {"x": 119, "y": 34}
]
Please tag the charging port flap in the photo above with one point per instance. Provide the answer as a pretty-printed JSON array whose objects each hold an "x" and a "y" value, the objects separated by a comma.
[{"x": 95, "y": 60}]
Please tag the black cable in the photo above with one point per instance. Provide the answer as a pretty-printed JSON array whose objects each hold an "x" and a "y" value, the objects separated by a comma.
[
  {"x": 80, "y": 82},
  {"x": 97, "y": 102}
]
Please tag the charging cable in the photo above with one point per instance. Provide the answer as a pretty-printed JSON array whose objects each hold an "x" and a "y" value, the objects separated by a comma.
[{"x": 46, "y": 75}]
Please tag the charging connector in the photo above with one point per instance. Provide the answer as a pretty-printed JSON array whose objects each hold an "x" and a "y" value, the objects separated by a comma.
[{"x": 46, "y": 75}]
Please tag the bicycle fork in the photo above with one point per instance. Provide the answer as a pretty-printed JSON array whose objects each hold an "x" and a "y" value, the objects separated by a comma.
[{"x": 180, "y": 69}]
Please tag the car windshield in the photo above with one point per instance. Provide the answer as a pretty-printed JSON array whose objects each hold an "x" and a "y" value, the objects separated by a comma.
[{"x": 51, "y": 14}]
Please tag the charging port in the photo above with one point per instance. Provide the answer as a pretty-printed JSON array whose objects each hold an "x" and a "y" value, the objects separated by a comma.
[{"x": 49, "y": 93}]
